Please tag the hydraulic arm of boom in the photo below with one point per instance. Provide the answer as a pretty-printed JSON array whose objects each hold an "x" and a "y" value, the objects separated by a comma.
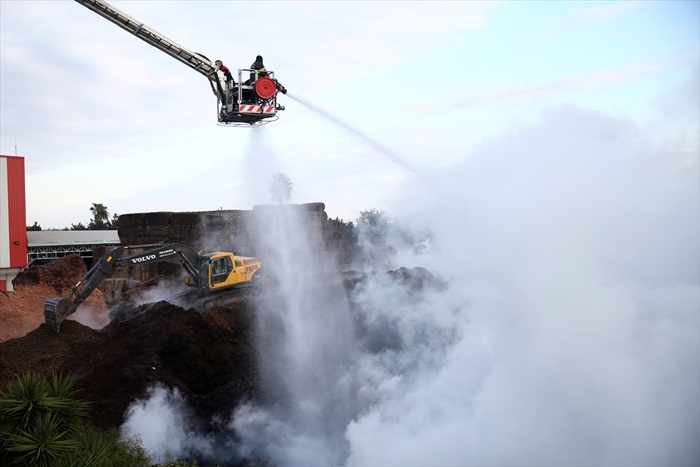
[{"x": 57, "y": 309}]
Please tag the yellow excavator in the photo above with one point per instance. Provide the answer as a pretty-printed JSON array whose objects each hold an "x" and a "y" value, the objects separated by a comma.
[{"x": 212, "y": 275}]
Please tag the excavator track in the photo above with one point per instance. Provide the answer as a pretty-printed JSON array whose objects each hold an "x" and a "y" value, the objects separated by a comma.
[{"x": 225, "y": 298}]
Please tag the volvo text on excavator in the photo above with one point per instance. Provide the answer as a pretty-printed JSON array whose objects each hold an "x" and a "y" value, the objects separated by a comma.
[
  {"x": 213, "y": 276},
  {"x": 237, "y": 104}
]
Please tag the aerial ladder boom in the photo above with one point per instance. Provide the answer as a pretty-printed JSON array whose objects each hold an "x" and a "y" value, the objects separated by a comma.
[
  {"x": 197, "y": 62},
  {"x": 258, "y": 103}
]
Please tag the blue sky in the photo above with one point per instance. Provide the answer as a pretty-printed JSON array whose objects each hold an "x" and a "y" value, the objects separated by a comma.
[{"x": 103, "y": 117}]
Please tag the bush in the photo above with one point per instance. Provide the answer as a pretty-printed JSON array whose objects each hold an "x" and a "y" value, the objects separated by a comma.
[
  {"x": 41, "y": 424},
  {"x": 98, "y": 448},
  {"x": 38, "y": 420}
]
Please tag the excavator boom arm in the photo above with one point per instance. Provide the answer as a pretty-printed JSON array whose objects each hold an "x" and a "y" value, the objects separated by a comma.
[
  {"x": 56, "y": 309},
  {"x": 164, "y": 252}
]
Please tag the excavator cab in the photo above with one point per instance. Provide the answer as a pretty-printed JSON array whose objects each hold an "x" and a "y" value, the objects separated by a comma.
[
  {"x": 224, "y": 270},
  {"x": 249, "y": 104}
]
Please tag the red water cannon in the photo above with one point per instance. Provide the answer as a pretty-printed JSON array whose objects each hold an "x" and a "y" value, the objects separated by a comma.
[{"x": 266, "y": 88}]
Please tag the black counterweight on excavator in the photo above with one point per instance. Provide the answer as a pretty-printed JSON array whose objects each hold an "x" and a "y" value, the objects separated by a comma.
[{"x": 210, "y": 273}]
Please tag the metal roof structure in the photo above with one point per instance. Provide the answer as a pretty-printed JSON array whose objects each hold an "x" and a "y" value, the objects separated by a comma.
[{"x": 51, "y": 244}]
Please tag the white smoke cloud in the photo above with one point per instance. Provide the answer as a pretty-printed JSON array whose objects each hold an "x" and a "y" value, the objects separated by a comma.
[
  {"x": 264, "y": 436},
  {"x": 170, "y": 289},
  {"x": 90, "y": 317},
  {"x": 569, "y": 333},
  {"x": 577, "y": 247},
  {"x": 161, "y": 423}
]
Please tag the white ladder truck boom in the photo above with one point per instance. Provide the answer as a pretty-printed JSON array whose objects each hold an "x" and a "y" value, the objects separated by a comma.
[{"x": 262, "y": 107}]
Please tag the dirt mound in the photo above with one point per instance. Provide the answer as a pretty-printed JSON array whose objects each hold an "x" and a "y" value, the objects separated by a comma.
[
  {"x": 60, "y": 274},
  {"x": 418, "y": 279},
  {"x": 22, "y": 311},
  {"x": 205, "y": 356}
]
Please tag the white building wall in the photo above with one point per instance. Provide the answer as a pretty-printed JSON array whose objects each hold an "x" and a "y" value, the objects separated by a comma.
[{"x": 4, "y": 216}]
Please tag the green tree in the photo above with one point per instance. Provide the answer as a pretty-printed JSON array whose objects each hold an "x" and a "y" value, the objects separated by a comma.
[
  {"x": 377, "y": 228},
  {"x": 374, "y": 225},
  {"x": 34, "y": 228},
  {"x": 100, "y": 217},
  {"x": 280, "y": 188},
  {"x": 343, "y": 230},
  {"x": 114, "y": 223}
]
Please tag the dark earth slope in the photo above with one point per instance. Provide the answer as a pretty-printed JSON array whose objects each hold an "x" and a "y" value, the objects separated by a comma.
[{"x": 208, "y": 357}]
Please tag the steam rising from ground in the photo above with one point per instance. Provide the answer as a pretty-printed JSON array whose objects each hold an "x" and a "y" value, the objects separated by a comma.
[
  {"x": 87, "y": 316},
  {"x": 569, "y": 333}
]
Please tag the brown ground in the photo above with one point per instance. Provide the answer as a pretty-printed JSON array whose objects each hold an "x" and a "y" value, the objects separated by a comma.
[
  {"x": 183, "y": 349},
  {"x": 22, "y": 311}
]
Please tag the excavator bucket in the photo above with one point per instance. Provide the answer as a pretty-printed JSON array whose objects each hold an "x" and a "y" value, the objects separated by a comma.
[{"x": 57, "y": 309}]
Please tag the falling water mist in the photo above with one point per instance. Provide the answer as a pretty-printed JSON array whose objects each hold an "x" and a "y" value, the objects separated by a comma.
[{"x": 305, "y": 341}]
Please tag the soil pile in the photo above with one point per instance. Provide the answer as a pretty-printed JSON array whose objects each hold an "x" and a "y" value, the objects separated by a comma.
[
  {"x": 209, "y": 357},
  {"x": 203, "y": 355},
  {"x": 22, "y": 311}
]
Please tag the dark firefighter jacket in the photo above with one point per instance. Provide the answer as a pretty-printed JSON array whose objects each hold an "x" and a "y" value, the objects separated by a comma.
[{"x": 258, "y": 73}]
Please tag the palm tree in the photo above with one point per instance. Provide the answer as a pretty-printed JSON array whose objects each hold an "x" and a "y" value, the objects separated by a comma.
[
  {"x": 280, "y": 188},
  {"x": 100, "y": 215}
]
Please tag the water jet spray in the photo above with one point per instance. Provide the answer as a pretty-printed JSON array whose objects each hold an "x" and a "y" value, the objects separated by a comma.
[{"x": 369, "y": 141}]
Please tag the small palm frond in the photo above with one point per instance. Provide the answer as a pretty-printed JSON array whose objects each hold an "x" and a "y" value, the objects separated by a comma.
[
  {"x": 21, "y": 403},
  {"x": 94, "y": 449},
  {"x": 42, "y": 445},
  {"x": 61, "y": 400}
]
